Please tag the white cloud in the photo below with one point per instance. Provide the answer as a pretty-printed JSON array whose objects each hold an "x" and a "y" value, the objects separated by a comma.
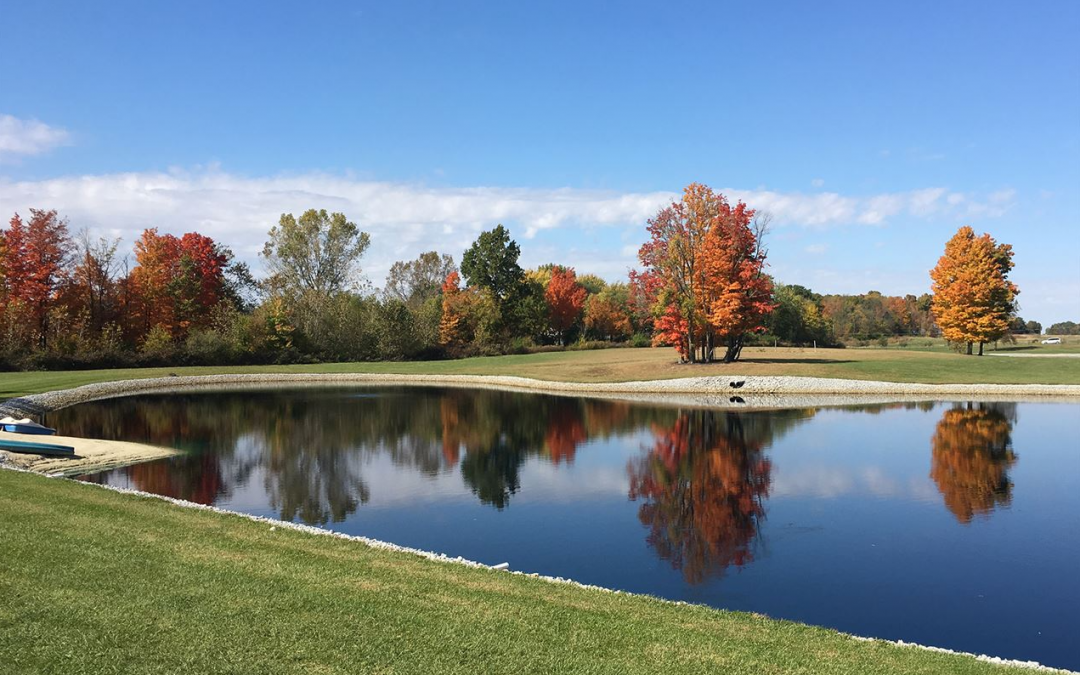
[
  {"x": 405, "y": 219},
  {"x": 817, "y": 249},
  {"x": 28, "y": 137},
  {"x": 818, "y": 182}
]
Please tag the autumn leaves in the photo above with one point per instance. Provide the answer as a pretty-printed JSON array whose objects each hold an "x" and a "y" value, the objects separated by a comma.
[
  {"x": 973, "y": 298},
  {"x": 704, "y": 269}
]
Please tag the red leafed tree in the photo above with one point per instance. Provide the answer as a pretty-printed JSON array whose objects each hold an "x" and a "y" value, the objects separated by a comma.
[
  {"x": 35, "y": 264},
  {"x": 176, "y": 281},
  {"x": 565, "y": 298},
  {"x": 705, "y": 261},
  {"x": 207, "y": 265}
]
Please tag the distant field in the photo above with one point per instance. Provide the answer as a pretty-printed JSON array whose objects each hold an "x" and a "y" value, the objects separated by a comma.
[
  {"x": 911, "y": 364},
  {"x": 1032, "y": 343}
]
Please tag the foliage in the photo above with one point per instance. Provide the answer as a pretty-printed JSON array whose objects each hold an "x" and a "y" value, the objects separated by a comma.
[
  {"x": 491, "y": 263},
  {"x": 872, "y": 315},
  {"x": 1064, "y": 328},
  {"x": 417, "y": 281},
  {"x": 797, "y": 318},
  {"x": 175, "y": 283},
  {"x": 35, "y": 261},
  {"x": 973, "y": 298},
  {"x": 705, "y": 261},
  {"x": 607, "y": 313},
  {"x": 316, "y": 254},
  {"x": 565, "y": 300}
]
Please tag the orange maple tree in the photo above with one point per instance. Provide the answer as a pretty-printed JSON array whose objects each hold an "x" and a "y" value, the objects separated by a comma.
[
  {"x": 450, "y": 324},
  {"x": 605, "y": 317},
  {"x": 973, "y": 297},
  {"x": 705, "y": 262},
  {"x": 565, "y": 299}
]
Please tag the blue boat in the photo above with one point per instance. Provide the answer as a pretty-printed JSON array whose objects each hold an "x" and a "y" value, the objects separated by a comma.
[
  {"x": 25, "y": 426},
  {"x": 29, "y": 448}
]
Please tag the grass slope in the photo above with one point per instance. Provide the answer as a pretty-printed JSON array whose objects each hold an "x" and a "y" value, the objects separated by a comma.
[
  {"x": 613, "y": 365},
  {"x": 99, "y": 582}
]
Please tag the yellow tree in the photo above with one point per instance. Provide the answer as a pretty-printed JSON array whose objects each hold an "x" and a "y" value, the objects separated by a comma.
[{"x": 973, "y": 297}]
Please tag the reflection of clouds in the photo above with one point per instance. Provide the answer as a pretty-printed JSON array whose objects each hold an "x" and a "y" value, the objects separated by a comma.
[
  {"x": 830, "y": 482},
  {"x": 811, "y": 481},
  {"x": 544, "y": 481}
]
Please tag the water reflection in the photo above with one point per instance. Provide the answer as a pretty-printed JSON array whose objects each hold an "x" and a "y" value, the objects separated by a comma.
[
  {"x": 971, "y": 455},
  {"x": 702, "y": 482},
  {"x": 312, "y": 447},
  {"x": 703, "y": 486}
]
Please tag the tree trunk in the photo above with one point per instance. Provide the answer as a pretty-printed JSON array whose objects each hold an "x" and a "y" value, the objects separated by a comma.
[
  {"x": 980, "y": 348},
  {"x": 969, "y": 349},
  {"x": 734, "y": 348}
]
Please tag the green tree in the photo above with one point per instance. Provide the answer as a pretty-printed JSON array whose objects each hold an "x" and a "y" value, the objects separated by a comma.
[
  {"x": 1033, "y": 327},
  {"x": 417, "y": 281},
  {"x": 797, "y": 318},
  {"x": 317, "y": 253},
  {"x": 1064, "y": 328},
  {"x": 492, "y": 263}
]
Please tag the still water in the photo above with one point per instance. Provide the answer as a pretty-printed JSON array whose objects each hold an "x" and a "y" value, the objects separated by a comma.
[{"x": 952, "y": 524}]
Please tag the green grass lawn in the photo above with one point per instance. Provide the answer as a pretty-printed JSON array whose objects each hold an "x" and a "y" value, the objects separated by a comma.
[
  {"x": 98, "y": 582},
  {"x": 614, "y": 365}
]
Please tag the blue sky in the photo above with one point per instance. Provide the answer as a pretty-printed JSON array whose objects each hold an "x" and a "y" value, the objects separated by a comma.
[{"x": 870, "y": 131}]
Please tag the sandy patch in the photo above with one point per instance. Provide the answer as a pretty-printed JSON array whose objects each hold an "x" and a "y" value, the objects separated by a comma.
[{"x": 90, "y": 454}]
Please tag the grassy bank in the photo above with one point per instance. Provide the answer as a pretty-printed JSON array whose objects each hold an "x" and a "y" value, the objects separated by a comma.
[
  {"x": 614, "y": 365},
  {"x": 99, "y": 582}
]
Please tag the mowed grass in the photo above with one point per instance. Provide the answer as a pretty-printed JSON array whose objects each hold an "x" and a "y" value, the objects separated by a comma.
[
  {"x": 99, "y": 582},
  {"x": 618, "y": 365}
]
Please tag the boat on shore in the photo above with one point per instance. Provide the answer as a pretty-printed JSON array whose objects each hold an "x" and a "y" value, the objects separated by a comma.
[
  {"x": 25, "y": 426},
  {"x": 31, "y": 448}
]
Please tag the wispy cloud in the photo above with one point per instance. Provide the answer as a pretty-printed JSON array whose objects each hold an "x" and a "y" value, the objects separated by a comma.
[
  {"x": 19, "y": 137},
  {"x": 405, "y": 219}
]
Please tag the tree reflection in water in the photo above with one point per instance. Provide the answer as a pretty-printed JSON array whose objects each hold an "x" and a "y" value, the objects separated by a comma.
[
  {"x": 311, "y": 446},
  {"x": 971, "y": 453},
  {"x": 703, "y": 486}
]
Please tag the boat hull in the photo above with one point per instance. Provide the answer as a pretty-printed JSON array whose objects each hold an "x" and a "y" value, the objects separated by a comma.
[
  {"x": 26, "y": 447},
  {"x": 35, "y": 429}
]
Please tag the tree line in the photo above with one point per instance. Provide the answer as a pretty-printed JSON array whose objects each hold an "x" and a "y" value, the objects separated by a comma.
[{"x": 702, "y": 288}]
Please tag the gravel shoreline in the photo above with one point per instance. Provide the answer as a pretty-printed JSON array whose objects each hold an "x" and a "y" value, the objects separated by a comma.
[{"x": 753, "y": 392}]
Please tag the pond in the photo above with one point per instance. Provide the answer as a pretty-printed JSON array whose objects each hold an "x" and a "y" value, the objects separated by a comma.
[{"x": 952, "y": 524}]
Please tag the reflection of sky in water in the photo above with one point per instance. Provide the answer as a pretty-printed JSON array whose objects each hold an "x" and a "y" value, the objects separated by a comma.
[{"x": 952, "y": 525}]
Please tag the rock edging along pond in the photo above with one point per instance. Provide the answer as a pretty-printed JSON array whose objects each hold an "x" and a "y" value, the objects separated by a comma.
[
  {"x": 445, "y": 559},
  {"x": 730, "y": 390}
]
